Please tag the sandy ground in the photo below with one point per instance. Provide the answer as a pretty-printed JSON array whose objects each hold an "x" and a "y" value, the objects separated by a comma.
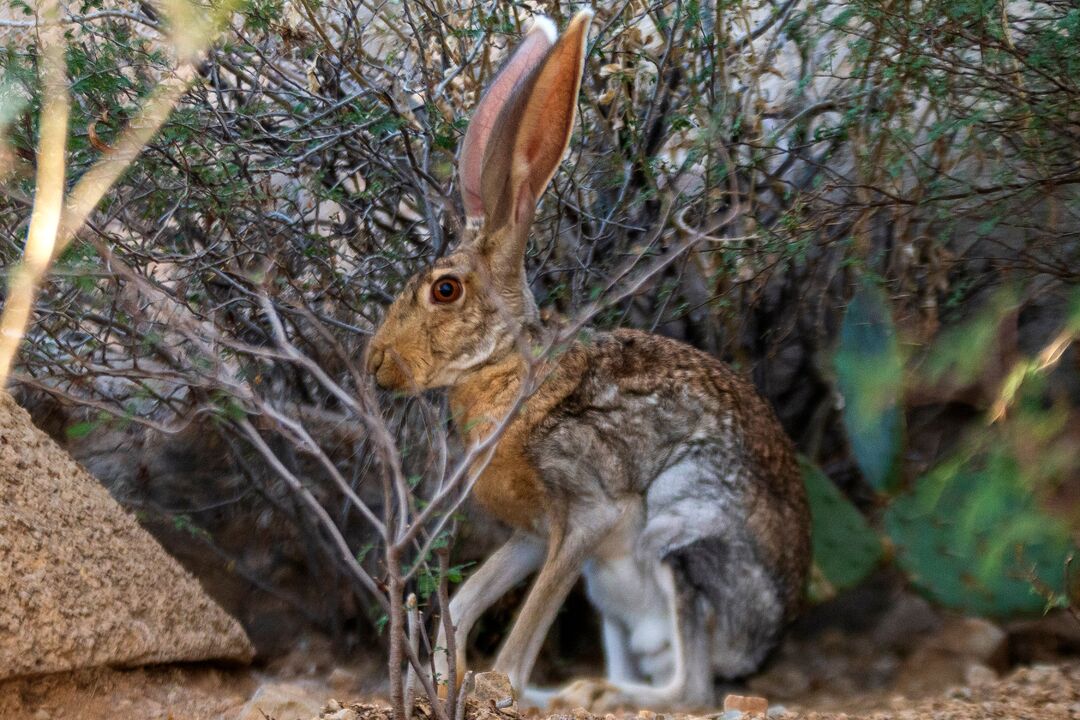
[
  {"x": 198, "y": 692},
  {"x": 179, "y": 692},
  {"x": 1046, "y": 691}
]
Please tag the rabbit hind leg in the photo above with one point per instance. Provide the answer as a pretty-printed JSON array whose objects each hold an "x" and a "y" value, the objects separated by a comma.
[
  {"x": 743, "y": 604},
  {"x": 689, "y": 684},
  {"x": 728, "y": 616}
]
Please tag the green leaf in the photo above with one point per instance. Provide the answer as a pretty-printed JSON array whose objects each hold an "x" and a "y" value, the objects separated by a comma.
[
  {"x": 12, "y": 102},
  {"x": 960, "y": 353},
  {"x": 363, "y": 551},
  {"x": 185, "y": 524},
  {"x": 845, "y": 547},
  {"x": 81, "y": 429},
  {"x": 869, "y": 376}
]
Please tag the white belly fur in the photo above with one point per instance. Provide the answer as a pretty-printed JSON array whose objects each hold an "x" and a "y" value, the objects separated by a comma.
[{"x": 629, "y": 590}]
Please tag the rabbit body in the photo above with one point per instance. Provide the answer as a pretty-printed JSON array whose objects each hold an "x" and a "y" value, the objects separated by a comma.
[
  {"x": 703, "y": 479},
  {"x": 647, "y": 466}
]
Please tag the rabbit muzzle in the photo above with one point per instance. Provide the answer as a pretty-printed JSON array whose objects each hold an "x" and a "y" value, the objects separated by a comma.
[
  {"x": 382, "y": 367},
  {"x": 374, "y": 359}
]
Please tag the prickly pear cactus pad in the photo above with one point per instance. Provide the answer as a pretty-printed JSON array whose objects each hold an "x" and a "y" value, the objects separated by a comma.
[
  {"x": 846, "y": 548},
  {"x": 972, "y": 537}
]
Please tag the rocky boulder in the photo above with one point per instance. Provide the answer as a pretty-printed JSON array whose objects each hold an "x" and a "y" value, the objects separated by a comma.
[{"x": 83, "y": 585}]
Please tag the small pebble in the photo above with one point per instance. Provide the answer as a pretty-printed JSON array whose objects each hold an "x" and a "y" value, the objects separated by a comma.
[
  {"x": 776, "y": 711},
  {"x": 977, "y": 674},
  {"x": 732, "y": 715},
  {"x": 342, "y": 714},
  {"x": 747, "y": 704}
]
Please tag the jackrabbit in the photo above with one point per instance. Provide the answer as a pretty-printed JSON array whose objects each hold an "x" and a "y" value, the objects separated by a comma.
[{"x": 641, "y": 462}]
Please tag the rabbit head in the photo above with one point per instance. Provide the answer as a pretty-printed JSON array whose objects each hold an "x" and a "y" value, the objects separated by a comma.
[{"x": 468, "y": 310}]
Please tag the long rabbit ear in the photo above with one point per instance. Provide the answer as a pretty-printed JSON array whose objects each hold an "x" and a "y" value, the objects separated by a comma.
[
  {"x": 531, "y": 135},
  {"x": 526, "y": 58}
]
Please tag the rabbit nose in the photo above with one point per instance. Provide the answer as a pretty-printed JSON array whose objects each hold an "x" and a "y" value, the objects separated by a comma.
[{"x": 375, "y": 357}]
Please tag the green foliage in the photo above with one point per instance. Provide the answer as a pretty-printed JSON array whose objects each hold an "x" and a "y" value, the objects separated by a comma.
[
  {"x": 363, "y": 552},
  {"x": 427, "y": 578},
  {"x": 979, "y": 531},
  {"x": 261, "y": 15},
  {"x": 960, "y": 352},
  {"x": 845, "y": 547},
  {"x": 81, "y": 429},
  {"x": 183, "y": 523},
  {"x": 227, "y": 408},
  {"x": 973, "y": 537},
  {"x": 428, "y": 574},
  {"x": 976, "y": 532},
  {"x": 869, "y": 376}
]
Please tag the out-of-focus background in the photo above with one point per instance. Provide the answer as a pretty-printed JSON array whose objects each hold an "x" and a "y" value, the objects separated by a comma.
[{"x": 885, "y": 199}]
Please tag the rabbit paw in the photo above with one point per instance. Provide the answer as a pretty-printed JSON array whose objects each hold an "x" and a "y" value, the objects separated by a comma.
[{"x": 598, "y": 696}]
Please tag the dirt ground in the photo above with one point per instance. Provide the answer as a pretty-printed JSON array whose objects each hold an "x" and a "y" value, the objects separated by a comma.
[
  {"x": 880, "y": 651},
  {"x": 180, "y": 692},
  {"x": 1050, "y": 692},
  {"x": 196, "y": 692}
]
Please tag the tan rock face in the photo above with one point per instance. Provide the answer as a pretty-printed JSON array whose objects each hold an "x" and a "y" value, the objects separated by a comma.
[{"x": 81, "y": 584}]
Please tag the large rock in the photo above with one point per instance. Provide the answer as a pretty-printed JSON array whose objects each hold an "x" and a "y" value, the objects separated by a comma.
[{"x": 81, "y": 584}]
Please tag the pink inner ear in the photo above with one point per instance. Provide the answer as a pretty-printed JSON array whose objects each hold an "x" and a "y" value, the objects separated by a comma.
[
  {"x": 532, "y": 50},
  {"x": 526, "y": 203},
  {"x": 547, "y": 118}
]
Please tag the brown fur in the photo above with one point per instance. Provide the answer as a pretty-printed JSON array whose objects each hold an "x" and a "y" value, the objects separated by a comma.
[{"x": 509, "y": 487}]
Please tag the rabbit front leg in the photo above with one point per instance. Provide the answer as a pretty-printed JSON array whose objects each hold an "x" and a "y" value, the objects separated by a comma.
[
  {"x": 509, "y": 565},
  {"x": 566, "y": 555}
]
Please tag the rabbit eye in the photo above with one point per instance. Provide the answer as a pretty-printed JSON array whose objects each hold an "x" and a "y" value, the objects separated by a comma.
[{"x": 446, "y": 290}]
